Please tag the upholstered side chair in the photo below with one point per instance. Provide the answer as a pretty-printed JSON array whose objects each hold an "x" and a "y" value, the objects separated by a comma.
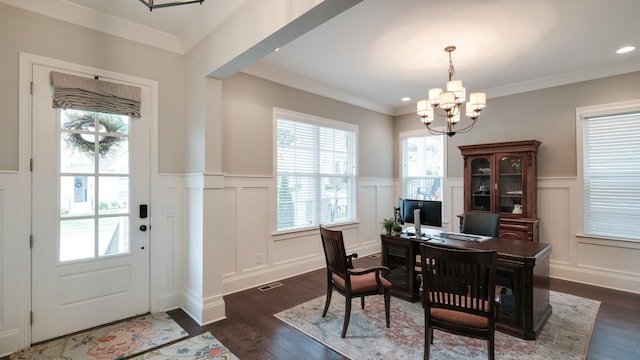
[
  {"x": 350, "y": 282},
  {"x": 459, "y": 294}
]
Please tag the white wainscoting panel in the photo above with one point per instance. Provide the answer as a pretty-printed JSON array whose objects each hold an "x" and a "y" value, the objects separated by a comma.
[
  {"x": 368, "y": 214},
  {"x": 351, "y": 237},
  {"x": 252, "y": 242},
  {"x": 194, "y": 247},
  {"x": 167, "y": 242},
  {"x": 15, "y": 265},
  {"x": 453, "y": 204},
  {"x": 213, "y": 306},
  {"x": 292, "y": 249},
  {"x": 229, "y": 233},
  {"x": 382, "y": 193},
  {"x": 260, "y": 255},
  {"x": 554, "y": 211},
  {"x": 619, "y": 259}
]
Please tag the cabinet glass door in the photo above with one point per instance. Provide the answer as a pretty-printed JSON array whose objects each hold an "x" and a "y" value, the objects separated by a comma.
[
  {"x": 481, "y": 189},
  {"x": 397, "y": 260},
  {"x": 510, "y": 184}
]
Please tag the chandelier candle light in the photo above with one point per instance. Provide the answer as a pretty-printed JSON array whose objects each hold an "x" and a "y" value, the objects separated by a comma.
[{"x": 449, "y": 104}]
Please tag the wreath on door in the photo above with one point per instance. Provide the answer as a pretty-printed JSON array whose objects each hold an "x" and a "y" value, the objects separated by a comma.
[{"x": 82, "y": 135}]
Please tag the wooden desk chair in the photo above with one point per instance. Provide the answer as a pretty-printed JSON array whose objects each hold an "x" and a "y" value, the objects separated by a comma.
[
  {"x": 459, "y": 294},
  {"x": 481, "y": 223},
  {"x": 348, "y": 281}
]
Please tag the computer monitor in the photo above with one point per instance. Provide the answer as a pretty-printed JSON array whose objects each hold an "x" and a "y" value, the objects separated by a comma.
[{"x": 430, "y": 212}]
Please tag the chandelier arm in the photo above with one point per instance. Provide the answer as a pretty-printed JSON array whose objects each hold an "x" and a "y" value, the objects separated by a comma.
[
  {"x": 468, "y": 127},
  {"x": 433, "y": 131},
  {"x": 439, "y": 111},
  {"x": 448, "y": 132}
]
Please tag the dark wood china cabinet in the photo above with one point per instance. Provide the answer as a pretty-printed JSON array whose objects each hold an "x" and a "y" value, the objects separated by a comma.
[{"x": 502, "y": 178}]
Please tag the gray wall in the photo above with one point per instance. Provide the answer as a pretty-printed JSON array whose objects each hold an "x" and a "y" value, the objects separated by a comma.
[
  {"x": 247, "y": 136},
  {"x": 22, "y": 31},
  {"x": 547, "y": 115}
]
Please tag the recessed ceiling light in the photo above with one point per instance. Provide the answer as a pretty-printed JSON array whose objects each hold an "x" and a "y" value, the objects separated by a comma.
[
  {"x": 625, "y": 49},
  {"x": 405, "y": 99}
]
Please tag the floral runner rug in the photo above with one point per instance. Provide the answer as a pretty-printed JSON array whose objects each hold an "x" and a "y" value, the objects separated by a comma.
[
  {"x": 565, "y": 336},
  {"x": 202, "y": 347},
  {"x": 111, "y": 342}
]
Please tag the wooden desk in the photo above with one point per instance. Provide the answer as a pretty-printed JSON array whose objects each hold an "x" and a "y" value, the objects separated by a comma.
[{"x": 522, "y": 268}]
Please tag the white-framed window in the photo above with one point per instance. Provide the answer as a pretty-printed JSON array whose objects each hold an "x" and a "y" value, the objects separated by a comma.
[
  {"x": 317, "y": 170},
  {"x": 608, "y": 151},
  {"x": 422, "y": 165}
]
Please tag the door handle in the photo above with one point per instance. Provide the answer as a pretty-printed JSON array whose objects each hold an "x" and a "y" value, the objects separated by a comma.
[{"x": 143, "y": 227}]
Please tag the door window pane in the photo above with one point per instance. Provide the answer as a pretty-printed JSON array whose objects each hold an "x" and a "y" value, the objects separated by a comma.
[
  {"x": 77, "y": 195},
  {"x": 113, "y": 195},
  {"x": 117, "y": 161},
  {"x": 77, "y": 239},
  {"x": 94, "y": 185},
  {"x": 113, "y": 235}
]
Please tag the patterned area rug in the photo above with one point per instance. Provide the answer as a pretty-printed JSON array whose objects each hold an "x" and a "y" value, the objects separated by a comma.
[
  {"x": 111, "y": 342},
  {"x": 201, "y": 347},
  {"x": 565, "y": 336}
]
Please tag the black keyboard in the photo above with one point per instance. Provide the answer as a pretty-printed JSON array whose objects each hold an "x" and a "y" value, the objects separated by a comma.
[{"x": 459, "y": 236}]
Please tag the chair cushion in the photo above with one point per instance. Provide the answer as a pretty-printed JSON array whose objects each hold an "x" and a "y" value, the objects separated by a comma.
[
  {"x": 460, "y": 318},
  {"x": 362, "y": 283}
]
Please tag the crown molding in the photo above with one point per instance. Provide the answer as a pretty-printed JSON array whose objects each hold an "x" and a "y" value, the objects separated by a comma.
[{"x": 314, "y": 87}]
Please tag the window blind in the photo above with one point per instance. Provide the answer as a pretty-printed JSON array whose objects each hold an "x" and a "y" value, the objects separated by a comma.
[
  {"x": 81, "y": 93},
  {"x": 316, "y": 174},
  {"x": 611, "y": 164}
]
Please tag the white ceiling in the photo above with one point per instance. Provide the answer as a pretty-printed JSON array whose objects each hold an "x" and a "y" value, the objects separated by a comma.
[{"x": 382, "y": 50}]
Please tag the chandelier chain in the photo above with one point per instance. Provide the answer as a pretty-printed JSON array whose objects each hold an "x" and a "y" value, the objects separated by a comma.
[{"x": 452, "y": 70}]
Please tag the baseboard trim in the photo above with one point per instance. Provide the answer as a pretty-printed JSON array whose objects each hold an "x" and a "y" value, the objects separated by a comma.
[
  {"x": 206, "y": 311},
  {"x": 169, "y": 300},
  {"x": 596, "y": 278}
]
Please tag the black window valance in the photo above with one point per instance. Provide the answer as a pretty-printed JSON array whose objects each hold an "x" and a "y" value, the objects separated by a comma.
[{"x": 76, "y": 92}]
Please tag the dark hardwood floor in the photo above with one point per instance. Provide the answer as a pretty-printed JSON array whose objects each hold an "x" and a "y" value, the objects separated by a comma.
[{"x": 252, "y": 332}]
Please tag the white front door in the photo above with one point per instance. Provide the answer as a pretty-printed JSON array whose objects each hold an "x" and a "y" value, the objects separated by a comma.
[{"x": 90, "y": 255}]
